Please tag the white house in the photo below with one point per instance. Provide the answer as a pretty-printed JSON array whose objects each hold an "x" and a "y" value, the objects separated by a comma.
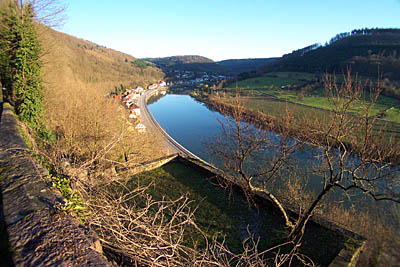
[
  {"x": 141, "y": 128},
  {"x": 152, "y": 86},
  {"x": 139, "y": 89},
  {"x": 134, "y": 111}
]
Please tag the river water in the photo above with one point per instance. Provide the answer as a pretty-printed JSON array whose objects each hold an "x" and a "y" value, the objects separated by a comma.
[
  {"x": 188, "y": 121},
  {"x": 195, "y": 126}
]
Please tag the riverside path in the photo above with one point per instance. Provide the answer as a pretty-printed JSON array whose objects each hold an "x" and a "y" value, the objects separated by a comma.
[{"x": 152, "y": 125}]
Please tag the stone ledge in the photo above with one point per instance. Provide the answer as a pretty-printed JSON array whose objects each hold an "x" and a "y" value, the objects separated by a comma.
[{"x": 38, "y": 234}]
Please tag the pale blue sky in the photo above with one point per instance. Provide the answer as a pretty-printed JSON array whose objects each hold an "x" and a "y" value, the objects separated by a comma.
[{"x": 222, "y": 29}]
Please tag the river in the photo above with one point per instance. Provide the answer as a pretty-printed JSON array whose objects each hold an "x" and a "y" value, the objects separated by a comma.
[
  {"x": 195, "y": 126},
  {"x": 188, "y": 121}
]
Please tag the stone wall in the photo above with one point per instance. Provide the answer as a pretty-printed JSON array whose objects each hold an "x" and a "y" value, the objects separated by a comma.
[{"x": 38, "y": 233}]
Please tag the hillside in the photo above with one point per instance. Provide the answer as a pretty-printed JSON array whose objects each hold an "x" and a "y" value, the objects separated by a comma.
[
  {"x": 203, "y": 64},
  {"x": 236, "y": 66},
  {"x": 366, "y": 51},
  {"x": 187, "y": 59},
  {"x": 68, "y": 59},
  {"x": 78, "y": 75},
  {"x": 187, "y": 63}
]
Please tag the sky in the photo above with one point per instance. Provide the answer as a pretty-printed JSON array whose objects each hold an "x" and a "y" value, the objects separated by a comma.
[{"x": 221, "y": 29}]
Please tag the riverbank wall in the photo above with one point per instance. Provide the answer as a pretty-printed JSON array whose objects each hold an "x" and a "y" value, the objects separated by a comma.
[{"x": 348, "y": 255}]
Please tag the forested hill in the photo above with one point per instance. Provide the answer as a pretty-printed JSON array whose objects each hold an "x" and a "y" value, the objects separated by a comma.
[
  {"x": 365, "y": 51},
  {"x": 187, "y": 63},
  {"x": 236, "y": 66},
  {"x": 180, "y": 59},
  {"x": 203, "y": 64}
]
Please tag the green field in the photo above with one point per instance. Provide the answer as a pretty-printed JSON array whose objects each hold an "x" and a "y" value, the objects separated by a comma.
[
  {"x": 274, "y": 80},
  {"x": 276, "y": 108},
  {"x": 221, "y": 215},
  {"x": 386, "y": 107}
]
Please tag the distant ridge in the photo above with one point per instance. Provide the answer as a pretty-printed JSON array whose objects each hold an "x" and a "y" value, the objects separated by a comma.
[
  {"x": 186, "y": 59},
  {"x": 199, "y": 63},
  {"x": 187, "y": 63},
  {"x": 236, "y": 66},
  {"x": 365, "y": 51}
]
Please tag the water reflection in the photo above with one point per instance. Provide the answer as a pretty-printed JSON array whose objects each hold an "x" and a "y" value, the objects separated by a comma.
[{"x": 195, "y": 126}]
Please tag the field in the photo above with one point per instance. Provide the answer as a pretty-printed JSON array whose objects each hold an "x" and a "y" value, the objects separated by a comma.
[
  {"x": 306, "y": 89},
  {"x": 276, "y": 108},
  {"x": 275, "y": 80},
  {"x": 220, "y": 215}
]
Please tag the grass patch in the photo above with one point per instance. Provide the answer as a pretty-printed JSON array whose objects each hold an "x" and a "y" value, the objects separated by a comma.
[
  {"x": 275, "y": 80},
  {"x": 274, "y": 107},
  {"x": 220, "y": 214},
  {"x": 292, "y": 87}
]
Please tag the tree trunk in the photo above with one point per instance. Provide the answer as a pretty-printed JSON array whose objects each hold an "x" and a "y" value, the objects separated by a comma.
[
  {"x": 276, "y": 202},
  {"x": 298, "y": 230}
]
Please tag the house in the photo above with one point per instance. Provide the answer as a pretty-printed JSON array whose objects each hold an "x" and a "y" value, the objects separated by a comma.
[
  {"x": 139, "y": 89},
  {"x": 162, "y": 84},
  {"x": 152, "y": 86},
  {"x": 133, "y": 95},
  {"x": 135, "y": 109},
  {"x": 129, "y": 103},
  {"x": 141, "y": 128}
]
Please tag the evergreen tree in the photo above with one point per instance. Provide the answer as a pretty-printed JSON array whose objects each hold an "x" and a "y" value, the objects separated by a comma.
[{"x": 21, "y": 64}]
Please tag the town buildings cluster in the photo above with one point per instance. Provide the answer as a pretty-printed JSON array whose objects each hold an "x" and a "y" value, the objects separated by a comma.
[
  {"x": 193, "y": 79},
  {"x": 130, "y": 98}
]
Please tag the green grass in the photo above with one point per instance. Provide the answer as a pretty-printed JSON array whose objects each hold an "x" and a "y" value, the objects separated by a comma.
[
  {"x": 274, "y": 80},
  {"x": 217, "y": 214},
  {"x": 387, "y": 108},
  {"x": 276, "y": 108}
]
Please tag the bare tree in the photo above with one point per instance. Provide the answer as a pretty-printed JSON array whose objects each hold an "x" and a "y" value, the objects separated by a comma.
[
  {"x": 351, "y": 153},
  {"x": 47, "y": 12},
  {"x": 144, "y": 231},
  {"x": 50, "y": 12},
  {"x": 240, "y": 149}
]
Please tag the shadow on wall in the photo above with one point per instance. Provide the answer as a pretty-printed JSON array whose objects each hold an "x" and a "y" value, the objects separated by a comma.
[
  {"x": 1, "y": 101},
  {"x": 1, "y": 108}
]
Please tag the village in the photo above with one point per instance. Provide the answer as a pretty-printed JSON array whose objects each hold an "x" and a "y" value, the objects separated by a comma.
[
  {"x": 130, "y": 98},
  {"x": 184, "y": 79}
]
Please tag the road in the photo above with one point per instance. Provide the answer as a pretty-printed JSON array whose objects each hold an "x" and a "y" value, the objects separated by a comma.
[{"x": 152, "y": 125}]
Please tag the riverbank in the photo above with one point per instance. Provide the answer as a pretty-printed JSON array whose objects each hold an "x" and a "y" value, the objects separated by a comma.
[
  {"x": 306, "y": 129},
  {"x": 218, "y": 210},
  {"x": 171, "y": 170},
  {"x": 195, "y": 121}
]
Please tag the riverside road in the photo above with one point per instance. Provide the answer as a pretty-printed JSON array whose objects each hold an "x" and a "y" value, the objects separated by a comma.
[{"x": 152, "y": 125}]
